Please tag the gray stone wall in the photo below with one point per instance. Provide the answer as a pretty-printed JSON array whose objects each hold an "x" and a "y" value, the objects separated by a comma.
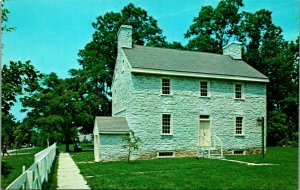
[
  {"x": 122, "y": 87},
  {"x": 125, "y": 36},
  {"x": 234, "y": 50},
  {"x": 111, "y": 147},
  {"x": 185, "y": 105}
]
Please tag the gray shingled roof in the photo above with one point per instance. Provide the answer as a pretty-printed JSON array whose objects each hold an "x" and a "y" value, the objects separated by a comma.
[
  {"x": 188, "y": 61},
  {"x": 112, "y": 124}
]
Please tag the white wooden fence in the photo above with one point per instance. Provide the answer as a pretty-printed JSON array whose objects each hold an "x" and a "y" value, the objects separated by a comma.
[{"x": 37, "y": 173}]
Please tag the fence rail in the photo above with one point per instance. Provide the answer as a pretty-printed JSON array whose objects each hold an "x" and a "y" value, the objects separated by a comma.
[{"x": 37, "y": 173}]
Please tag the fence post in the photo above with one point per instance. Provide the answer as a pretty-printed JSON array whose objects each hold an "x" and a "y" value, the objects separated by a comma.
[
  {"x": 45, "y": 169},
  {"x": 23, "y": 170},
  {"x": 29, "y": 175}
]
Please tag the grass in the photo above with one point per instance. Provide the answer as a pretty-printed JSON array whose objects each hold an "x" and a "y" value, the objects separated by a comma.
[
  {"x": 190, "y": 173},
  {"x": 52, "y": 177},
  {"x": 15, "y": 163},
  {"x": 275, "y": 155}
]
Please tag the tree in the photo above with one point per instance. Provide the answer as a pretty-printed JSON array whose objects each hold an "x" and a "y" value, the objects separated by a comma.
[
  {"x": 4, "y": 19},
  {"x": 132, "y": 143},
  {"x": 97, "y": 59},
  {"x": 17, "y": 79},
  {"x": 268, "y": 52},
  {"x": 213, "y": 28},
  {"x": 54, "y": 108}
]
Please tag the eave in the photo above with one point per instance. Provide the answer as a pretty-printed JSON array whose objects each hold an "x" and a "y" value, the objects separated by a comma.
[{"x": 197, "y": 75}]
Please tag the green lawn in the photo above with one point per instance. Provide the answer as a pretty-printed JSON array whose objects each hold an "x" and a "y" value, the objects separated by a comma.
[
  {"x": 15, "y": 163},
  {"x": 190, "y": 173}
]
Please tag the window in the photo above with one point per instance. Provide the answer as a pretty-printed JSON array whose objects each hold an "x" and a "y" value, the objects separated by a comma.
[
  {"x": 239, "y": 125},
  {"x": 204, "y": 88},
  {"x": 166, "y": 86},
  {"x": 166, "y": 124},
  {"x": 238, "y": 91},
  {"x": 165, "y": 154},
  {"x": 204, "y": 117},
  {"x": 238, "y": 152}
]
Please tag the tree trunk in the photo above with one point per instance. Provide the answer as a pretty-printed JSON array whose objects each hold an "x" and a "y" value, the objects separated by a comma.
[
  {"x": 67, "y": 136},
  {"x": 67, "y": 145},
  {"x": 129, "y": 151}
]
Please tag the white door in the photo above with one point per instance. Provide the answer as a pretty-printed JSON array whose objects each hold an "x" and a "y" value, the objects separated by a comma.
[{"x": 204, "y": 133}]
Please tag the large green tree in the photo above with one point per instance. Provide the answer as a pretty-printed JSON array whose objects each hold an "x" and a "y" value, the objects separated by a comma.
[
  {"x": 265, "y": 49},
  {"x": 54, "y": 108},
  {"x": 214, "y": 27},
  {"x": 17, "y": 79},
  {"x": 98, "y": 57}
]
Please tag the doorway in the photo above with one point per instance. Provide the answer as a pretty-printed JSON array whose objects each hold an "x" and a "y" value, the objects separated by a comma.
[{"x": 204, "y": 131}]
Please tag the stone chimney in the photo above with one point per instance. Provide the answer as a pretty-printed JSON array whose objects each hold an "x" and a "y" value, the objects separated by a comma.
[
  {"x": 125, "y": 37},
  {"x": 234, "y": 50}
]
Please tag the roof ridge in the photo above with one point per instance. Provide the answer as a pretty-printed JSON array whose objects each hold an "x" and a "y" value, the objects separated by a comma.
[{"x": 191, "y": 51}]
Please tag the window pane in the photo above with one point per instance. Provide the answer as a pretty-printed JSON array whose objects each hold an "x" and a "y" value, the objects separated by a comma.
[
  {"x": 204, "y": 116},
  {"x": 238, "y": 91},
  {"x": 239, "y": 125},
  {"x": 203, "y": 88},
  {"x": 165, "y": 86},
  {"x": 166, "y": 123}
]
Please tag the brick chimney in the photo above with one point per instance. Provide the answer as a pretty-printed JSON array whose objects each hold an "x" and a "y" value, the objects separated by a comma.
[
  {"x": 125, "y": 37},
  {"x": 234, "y": 50}
]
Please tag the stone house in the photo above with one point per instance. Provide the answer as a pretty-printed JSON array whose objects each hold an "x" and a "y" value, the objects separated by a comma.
[{"x": 181, "y": 103}]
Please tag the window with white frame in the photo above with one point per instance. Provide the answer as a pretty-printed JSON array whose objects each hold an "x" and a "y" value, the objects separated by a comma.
[
  {"x": 204, "y": 88},
  {"x": 166, "y": 154},
  {"x": 166, "y": 86},
  {"x": 239, "y": 125},
  {"x": 238, "y": 91},
  {"x": 166, "y": 124}
]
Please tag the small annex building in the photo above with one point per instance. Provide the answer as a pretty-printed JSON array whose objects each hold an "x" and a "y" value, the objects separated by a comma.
[
  {"x": 182, "y": 103},
  {"x": 108, "y": 133}
]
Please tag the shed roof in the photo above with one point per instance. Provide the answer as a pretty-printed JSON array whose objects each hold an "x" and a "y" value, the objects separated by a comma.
[
  {"x": 163, "y": 59},
  {"x": 112, "y": 125}
]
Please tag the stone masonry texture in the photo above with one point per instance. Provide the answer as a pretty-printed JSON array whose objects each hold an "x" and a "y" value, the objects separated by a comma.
[{"x": 234, "y": 50}]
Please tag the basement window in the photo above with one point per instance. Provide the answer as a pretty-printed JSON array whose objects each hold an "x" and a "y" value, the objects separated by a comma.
[
  {"x": 166, "y": 154},
  {"x": 204, "y": 117},
  {"x": 238, "y": 152}
]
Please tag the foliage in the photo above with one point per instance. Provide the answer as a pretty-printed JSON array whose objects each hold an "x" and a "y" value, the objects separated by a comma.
[
  {"x": 54, "y": 108},
  {"x": 132, "y": 143},
  {"x": 5, "y": 169},
  {"x": 17, "y": 79},
  {"x": 190, "y": 173},
  {"x": 4, "y": 19},
  {"x": 213, "y": 28},
  {"x": 21, "y": 136}
]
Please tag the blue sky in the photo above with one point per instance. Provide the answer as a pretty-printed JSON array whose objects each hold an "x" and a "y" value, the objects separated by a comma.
[{"x": 51, "y": 32}]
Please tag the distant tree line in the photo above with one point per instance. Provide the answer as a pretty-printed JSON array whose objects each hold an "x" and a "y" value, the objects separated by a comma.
[{"x": 56, "y": 107}]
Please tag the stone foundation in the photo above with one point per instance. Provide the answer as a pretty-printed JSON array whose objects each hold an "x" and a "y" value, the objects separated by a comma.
[{"x": 247, "y": 151}]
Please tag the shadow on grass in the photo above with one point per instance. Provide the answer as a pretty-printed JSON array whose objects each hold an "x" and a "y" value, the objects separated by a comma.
[
  {"x": 52, "y": 177},
  {"x": 5, "y": 169}
]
